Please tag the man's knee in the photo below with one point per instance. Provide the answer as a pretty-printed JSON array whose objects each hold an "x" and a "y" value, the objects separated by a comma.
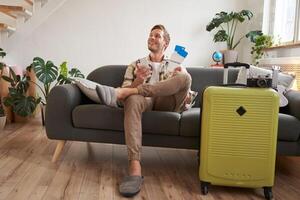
[
  {"x": 134, "y": 101},
  {"x": 185, "y": 78}
]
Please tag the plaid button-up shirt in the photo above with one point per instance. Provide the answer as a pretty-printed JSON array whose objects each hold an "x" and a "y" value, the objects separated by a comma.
[{"x": 130, "y": 76}]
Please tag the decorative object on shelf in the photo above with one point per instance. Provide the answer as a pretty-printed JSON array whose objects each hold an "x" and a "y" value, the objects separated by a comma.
[
  {"x": 47, "y": 73},
  {"x": 228, "y": 23},
  {"x": 217, "y": 56}
]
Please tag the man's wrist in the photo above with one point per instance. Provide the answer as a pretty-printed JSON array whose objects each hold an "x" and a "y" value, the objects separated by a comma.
[{"x": 136, "y": 82}]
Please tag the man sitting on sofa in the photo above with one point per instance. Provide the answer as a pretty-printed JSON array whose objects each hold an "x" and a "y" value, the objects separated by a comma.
[{"x": 145, "y": 88}]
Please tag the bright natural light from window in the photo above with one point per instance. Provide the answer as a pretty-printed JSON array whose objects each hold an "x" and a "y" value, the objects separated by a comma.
[{"x": 284, "y": 23}]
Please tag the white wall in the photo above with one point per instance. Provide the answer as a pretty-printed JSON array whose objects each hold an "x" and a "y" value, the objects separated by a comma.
[
  {"x": 93, "y": 33},
  {"x": 256, "y": 23}
]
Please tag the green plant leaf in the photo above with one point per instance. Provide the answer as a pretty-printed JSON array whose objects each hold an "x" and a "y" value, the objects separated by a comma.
[
  {"x": 2, "y": 53},
  {"x": 2, "y": 65},
  {"x": 63, "y": 69},
  {"x": 62, "y": 79},
  {"x": 220, "y": 36},
  {"x": 25, "y": 106},
  {"x": 247, "y": 13},
  {"x": 8, "y": 79},
  {"x": 23, "y": 85},
  {"x": 219, "y": 19},
  {"x": 253, "y": 35},
  {"x": 46, "y": 73},
  {"x": 13, "y": 92},
  {"x": 8, "y": 101},
  {"x": 13, "y": 74},
  {"x": 38, "y": 61},
  {"x": 74, "y": 72}
]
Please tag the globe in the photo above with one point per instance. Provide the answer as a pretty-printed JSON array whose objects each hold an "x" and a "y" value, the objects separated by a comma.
[{"x": 217, "y": 56}]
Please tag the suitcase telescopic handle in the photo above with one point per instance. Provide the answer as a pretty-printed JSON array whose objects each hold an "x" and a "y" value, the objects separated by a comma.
[{"x": 237, "y": 64}]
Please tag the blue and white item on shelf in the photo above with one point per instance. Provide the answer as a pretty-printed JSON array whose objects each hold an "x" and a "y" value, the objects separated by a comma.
[{"x": 176, "y": 58}]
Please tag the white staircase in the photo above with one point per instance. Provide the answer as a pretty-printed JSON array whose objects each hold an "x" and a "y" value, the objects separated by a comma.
[{"x": 14, "y": 14}]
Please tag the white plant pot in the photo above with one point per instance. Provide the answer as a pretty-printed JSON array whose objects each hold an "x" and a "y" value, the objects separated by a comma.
[
  {"x": 230, "y": 56},
  {"x": 2, "y": 122}
]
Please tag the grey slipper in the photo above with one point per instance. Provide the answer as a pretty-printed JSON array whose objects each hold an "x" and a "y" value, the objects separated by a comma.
[
  {"x": 107, "y": 95},
  {"x": 131, "y": 185}
]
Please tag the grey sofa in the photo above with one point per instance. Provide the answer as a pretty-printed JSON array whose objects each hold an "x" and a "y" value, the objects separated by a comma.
[{"x": 70, "y": 115}]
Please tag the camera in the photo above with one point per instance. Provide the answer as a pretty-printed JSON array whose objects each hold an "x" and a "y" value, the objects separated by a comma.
[{"x": 260, "y": 81}]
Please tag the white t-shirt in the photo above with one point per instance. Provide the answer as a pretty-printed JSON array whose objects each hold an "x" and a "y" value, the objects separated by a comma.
[{"x": 155, "y": 72}]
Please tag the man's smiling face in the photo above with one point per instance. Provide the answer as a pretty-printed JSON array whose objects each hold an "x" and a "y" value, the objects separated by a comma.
[{"x": 156, "y": 41}]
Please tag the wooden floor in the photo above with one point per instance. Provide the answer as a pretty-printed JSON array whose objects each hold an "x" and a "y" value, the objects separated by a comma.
[{"x": 92, "y": 171}]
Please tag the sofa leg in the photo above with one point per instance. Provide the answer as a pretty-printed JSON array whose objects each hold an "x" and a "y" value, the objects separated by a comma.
[{"x": 59, "y": 147}]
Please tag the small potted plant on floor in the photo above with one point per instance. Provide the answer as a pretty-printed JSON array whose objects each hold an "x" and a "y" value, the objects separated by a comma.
[{"x": 2, "y": 116}]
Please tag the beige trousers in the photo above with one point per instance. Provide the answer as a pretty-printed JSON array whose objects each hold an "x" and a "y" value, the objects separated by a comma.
[{"x": 167, "y": 95}]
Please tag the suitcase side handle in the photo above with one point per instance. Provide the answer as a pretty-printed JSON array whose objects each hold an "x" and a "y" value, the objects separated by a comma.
[{"x": 237, "y": 64}]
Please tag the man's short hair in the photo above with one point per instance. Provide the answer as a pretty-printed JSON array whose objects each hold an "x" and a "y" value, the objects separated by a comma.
[{"x": 162, "y": 28}]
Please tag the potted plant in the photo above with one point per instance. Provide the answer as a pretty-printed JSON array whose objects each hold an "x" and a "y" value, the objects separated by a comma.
[
  {"x": 227, "y": 24},
  {"x": 4, "y": 70},
  {"x": 22, "y": 105},
  {"x": 261, "y": 42},
  {"x": 47, "y": 73},
  {"x": 2, "y": 116}
]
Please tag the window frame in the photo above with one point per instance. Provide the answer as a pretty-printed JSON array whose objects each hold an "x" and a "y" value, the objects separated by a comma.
[{"x": 268, "y": 7}]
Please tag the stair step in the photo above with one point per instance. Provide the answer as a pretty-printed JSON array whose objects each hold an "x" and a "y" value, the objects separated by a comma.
[
  {"x": 8, "y": 28},
  {"x": 15, "y": 11}
]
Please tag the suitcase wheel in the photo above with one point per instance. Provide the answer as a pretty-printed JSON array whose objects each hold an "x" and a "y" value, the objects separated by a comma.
[
  {"x": 204, "y": 187},
  {"x": 268, "y": 193}
]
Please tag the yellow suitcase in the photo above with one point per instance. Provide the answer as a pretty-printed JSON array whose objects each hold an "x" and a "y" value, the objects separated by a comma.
[{"x": 238, "y": 137}]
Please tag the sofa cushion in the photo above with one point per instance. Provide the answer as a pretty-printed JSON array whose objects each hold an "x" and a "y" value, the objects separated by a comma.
[
  {"x": 288, "y": 128},
  {"x": 161, "y": 122},
  {"x": 88, "y": 88},
  {"x": 95, "y": 116},
  {"x": 190, "y": 122}
]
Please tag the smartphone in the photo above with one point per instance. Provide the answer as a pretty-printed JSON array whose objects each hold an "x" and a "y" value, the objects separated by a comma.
[{"x": 143, "y": 62}]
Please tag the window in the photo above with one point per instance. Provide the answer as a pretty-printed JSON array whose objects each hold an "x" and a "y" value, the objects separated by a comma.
[{"x": 282, "y": 20}]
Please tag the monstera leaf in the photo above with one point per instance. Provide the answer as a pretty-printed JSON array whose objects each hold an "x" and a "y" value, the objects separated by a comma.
[
  {"x": 21, "y": 104},
  {"x": 25, "y": 106},
  {"x": 220, "y": 36},
  {"x": 45, "y": 72}
]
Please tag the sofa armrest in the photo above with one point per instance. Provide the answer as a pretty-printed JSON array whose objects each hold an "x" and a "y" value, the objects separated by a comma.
[
  {"x": 293, "y": 97},
  {"x": 60, "y": 104}
]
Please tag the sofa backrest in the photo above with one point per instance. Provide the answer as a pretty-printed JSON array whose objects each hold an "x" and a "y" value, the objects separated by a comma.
[{"x": 202, "y": 77}]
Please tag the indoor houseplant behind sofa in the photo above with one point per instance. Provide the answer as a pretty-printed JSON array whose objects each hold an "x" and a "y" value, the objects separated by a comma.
[{"x": 72, "y": 116}]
